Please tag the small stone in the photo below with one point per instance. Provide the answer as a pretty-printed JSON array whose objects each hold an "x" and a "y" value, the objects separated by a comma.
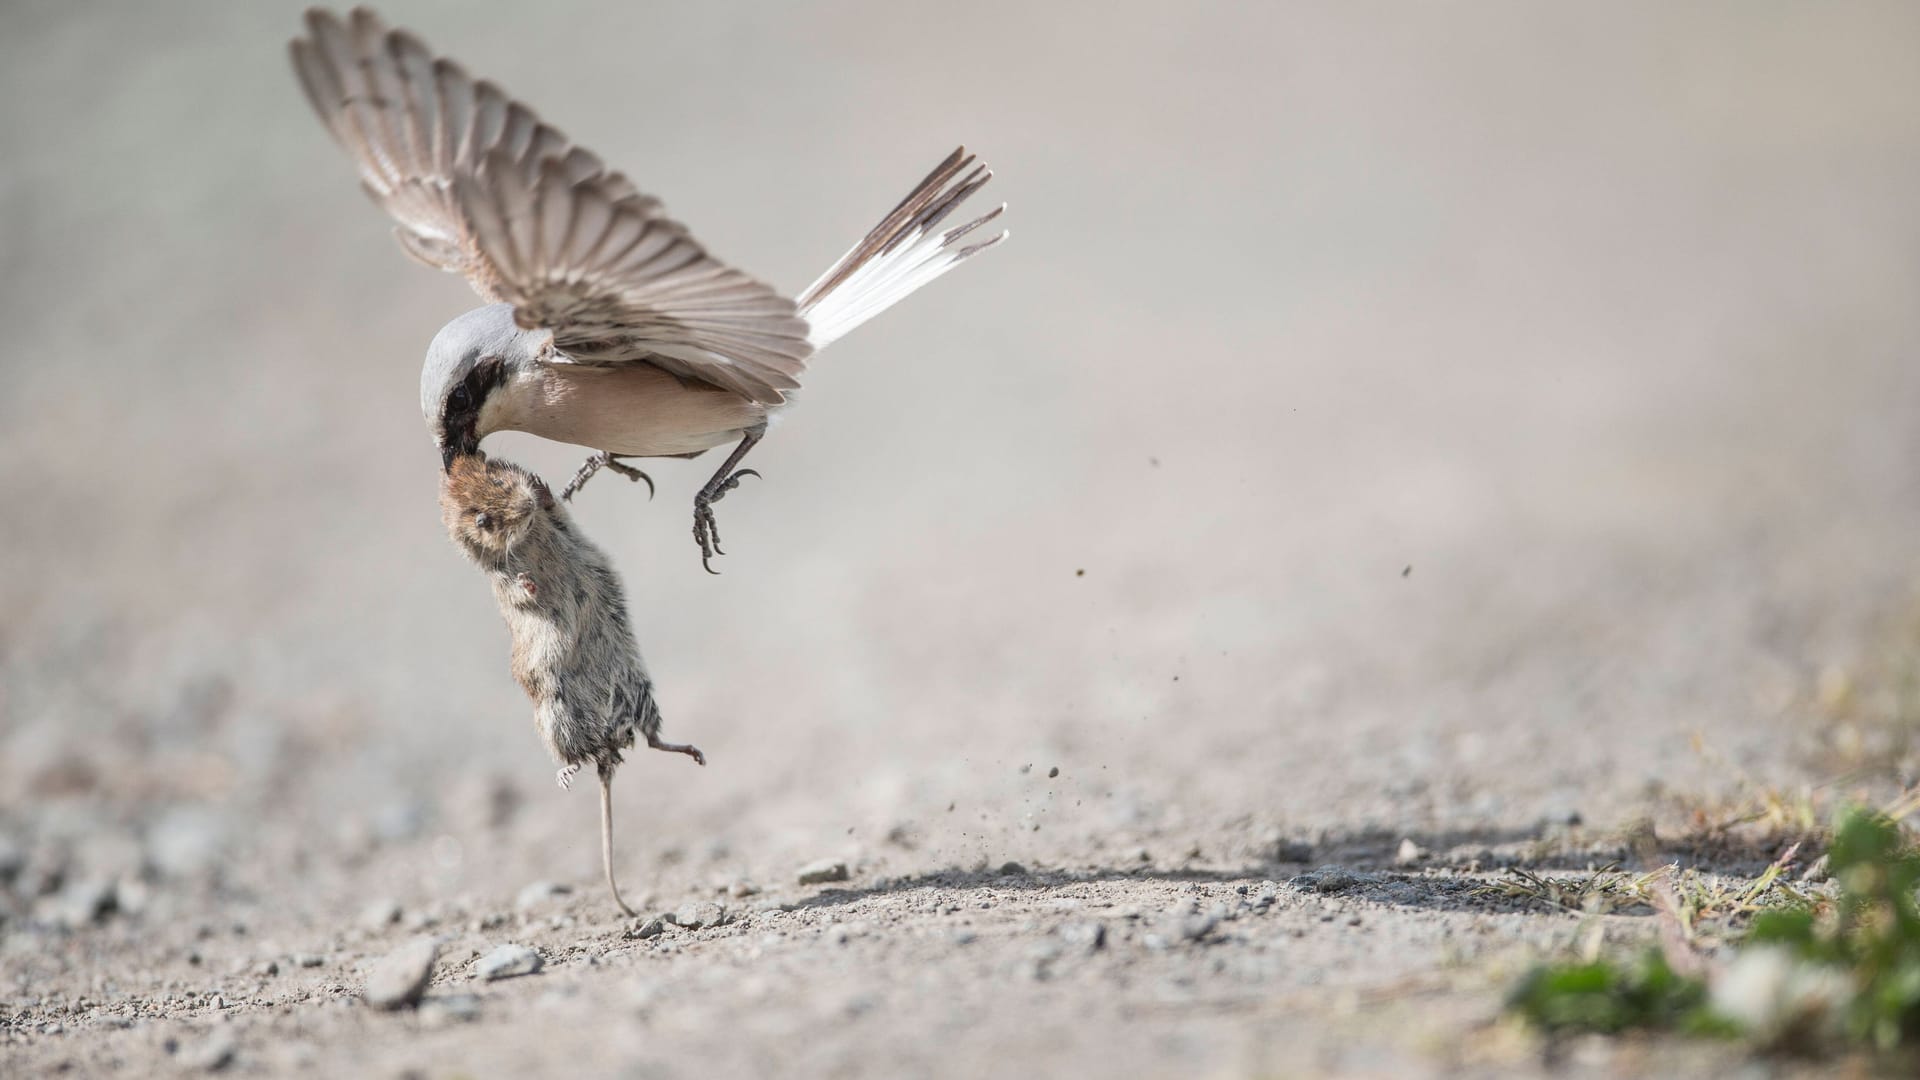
[
  {"x": 539, "y": 893},
  {"x": 964, "y": 937},
  {"x": 400, "y": 977},
  {"x": 184, "y": 842},
  {"x": 651, "y": 928},
  {"x": 1290, "y": 851},
  {"x": 84, "y": 902},
  {"x": 213, "y": 1055},
  {"x": 309, "y": 960},
  {"x": 1053, "y": 772},
  {"x": 508, "y": 961},
  {"x": 1409, "y": 853},
  {"x": 1197, "y": 927},
  {"x": 445, "y": 1010},
  {"x": 1816, "y": 871},
  {"x": 697, "y": 916},
  {"x": 380, "y": 914},
  {"x": 819, "y": 873},
  {"x": 1012, "y": 869},
  {"x": 740, "y": 890},
  {"x": 1089, "y": 936}
]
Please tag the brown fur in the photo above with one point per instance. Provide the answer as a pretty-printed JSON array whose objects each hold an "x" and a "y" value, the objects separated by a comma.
[{"x": 573, "y": 649}]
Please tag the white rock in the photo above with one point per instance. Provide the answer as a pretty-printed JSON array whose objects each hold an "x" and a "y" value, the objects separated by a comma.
[
  {"x": 508, "y": 961},
  {"x": 400, "y": 977}
]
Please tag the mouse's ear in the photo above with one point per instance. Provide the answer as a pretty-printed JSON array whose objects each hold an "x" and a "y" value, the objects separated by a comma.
[{"x": 545, "y": 496}]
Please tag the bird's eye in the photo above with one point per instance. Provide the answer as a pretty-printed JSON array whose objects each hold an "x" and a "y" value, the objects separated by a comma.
[
  {"x": 483, "y": 520},
  {"x": 459, "y": 399}
]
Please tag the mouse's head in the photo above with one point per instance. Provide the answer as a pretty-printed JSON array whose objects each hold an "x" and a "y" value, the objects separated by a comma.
[{"x": 488, "y": 505}]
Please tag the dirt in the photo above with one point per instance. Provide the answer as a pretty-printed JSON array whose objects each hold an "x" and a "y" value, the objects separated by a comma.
[{"x": 1394, "y": 447}]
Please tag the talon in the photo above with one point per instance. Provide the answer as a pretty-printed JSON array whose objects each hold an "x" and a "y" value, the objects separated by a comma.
[
  {"x": 706, "y": 530},
  {"x": 631, "y": 473}
]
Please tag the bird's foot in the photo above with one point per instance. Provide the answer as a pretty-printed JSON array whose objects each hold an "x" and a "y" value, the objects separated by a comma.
[
  {"x": 688, "y": 749},
  {"x": 566, "y": 775},
  {"x": 706, "y": 531},
  {"x": 603, "y": 460}
]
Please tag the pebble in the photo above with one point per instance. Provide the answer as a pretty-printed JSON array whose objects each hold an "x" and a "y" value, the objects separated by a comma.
[
  {"x": 539, "y": 893},
  {"x": 185, "y": 842},
  {"x": 1012, "y": 869},
  {"x": 1197, "y": 927},
  {"x": 1088, "y": 936},
  {"x": 697, "y": 915},
  {"x": 216, "y": 1053},
  {"x": 1409, "y": 853},
  {"x": 1053, "y": 772},
  {"x": 400, "y": 977},
  {"x": 308, "y": 960},
  {"x": 819, "y": 873},
  {"x": 964, "y": 937},
  {"x": 445, "y": 1010},
  {"x": 740, "y": 890},
  {"x": 380, "y": 914},
  {"x": 651, "y": 928},
  {"x": 1291, "y": 851},
  {"x": 84, "y": 902},
  {"x": 508, "y": 961}
]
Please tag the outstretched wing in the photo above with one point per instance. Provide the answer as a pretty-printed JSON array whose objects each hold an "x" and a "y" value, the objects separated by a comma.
[{"x": 480, "y": 186}]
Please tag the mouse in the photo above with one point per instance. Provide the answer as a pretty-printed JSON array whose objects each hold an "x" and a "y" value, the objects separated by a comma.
[{"x": 565, "y": 608}]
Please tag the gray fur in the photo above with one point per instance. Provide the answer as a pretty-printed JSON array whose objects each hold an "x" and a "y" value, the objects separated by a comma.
[{"x": 573, "y": 647}]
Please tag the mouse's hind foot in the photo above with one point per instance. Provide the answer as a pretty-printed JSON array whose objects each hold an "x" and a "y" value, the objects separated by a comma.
[{"x": 688, "y": 749}]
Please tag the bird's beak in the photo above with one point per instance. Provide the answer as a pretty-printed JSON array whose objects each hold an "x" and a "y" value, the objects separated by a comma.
[{"x": 447, "y": 453}]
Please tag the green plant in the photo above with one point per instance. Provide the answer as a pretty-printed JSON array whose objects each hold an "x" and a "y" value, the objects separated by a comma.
[{"x": 1812, "y": 973}]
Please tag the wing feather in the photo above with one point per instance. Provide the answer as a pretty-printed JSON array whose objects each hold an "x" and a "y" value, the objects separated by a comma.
[{"x": 480, "y": 186}]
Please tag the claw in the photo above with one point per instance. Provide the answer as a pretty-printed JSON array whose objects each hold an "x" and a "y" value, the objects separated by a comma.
[
  {"x": 632, "y": 473},
  {"x": 605, "y": 459},
  {"x": 706, "y": 530}
]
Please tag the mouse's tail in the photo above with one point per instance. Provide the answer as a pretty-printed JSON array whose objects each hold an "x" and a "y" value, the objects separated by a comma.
[{"x": 606, "y": 840}]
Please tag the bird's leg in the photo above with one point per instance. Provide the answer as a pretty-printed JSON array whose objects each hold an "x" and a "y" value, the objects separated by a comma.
[
  {"x": 605, "y": 459},
  {"x": 706, "y": 532},
  {"x": 688, "y": 749}
]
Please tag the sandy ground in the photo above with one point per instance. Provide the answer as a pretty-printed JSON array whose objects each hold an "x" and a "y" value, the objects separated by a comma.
[{"x": 1473, "y": 426}]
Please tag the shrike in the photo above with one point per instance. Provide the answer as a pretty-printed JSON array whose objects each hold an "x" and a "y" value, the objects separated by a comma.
[{"x": 607, "y": 324}]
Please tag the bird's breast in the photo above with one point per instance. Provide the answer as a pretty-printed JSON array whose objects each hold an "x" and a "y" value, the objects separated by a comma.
[{"x": 630, "y": 409}]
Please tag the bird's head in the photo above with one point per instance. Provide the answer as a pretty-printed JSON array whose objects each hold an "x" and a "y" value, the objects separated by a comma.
[{"x": 468, "y": 360}]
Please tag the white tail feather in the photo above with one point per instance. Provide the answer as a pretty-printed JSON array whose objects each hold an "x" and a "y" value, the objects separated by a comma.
[{"x": 902, "y": 253}]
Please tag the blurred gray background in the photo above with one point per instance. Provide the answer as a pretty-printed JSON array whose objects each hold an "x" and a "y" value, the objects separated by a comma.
[{"x": 1601, "y": 319}]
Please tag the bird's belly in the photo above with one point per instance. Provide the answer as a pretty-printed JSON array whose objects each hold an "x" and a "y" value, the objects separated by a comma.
[{"x": 636, "y": 410}]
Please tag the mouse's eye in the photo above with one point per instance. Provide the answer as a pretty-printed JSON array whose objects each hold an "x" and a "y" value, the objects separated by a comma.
[{"x": 483, "y": 519}]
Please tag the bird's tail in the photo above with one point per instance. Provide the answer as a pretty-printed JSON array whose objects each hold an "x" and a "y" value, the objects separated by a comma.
[{"x": 901, "y": 254}]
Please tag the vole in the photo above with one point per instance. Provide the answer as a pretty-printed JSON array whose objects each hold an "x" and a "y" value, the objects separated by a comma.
[{"x": 573, "y": 649}]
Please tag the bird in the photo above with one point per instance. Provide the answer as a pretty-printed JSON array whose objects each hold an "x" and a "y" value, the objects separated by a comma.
[{"x": 606, "y": 324}]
